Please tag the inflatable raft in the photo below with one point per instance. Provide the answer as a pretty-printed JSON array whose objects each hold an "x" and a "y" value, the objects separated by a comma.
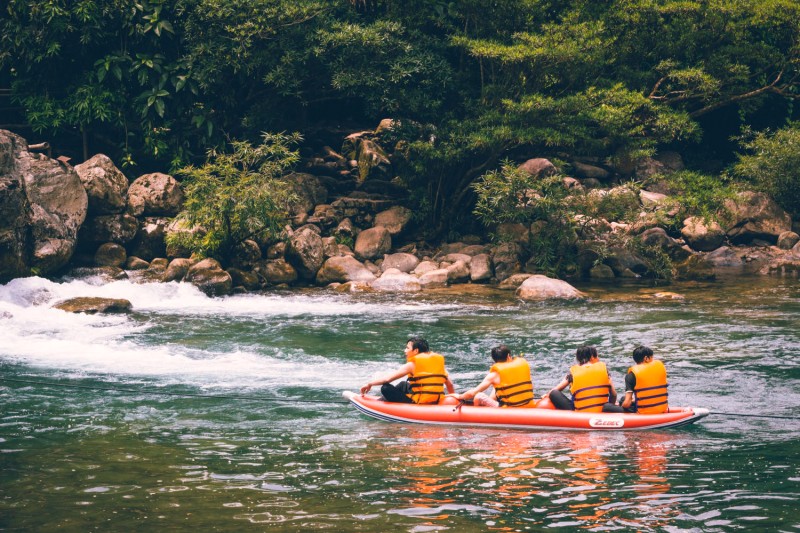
[{"x": 534, "y": 418}]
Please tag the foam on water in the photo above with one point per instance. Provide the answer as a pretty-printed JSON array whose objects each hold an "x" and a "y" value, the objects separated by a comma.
[{"x": 37, "y": 335}]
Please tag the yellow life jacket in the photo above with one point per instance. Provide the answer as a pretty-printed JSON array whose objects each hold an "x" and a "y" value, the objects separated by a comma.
[
  {"x": 515, "y": 388},
  {"x": 651, "y": 387},
  {"x": 427, "y": 380},
  {"x": 590, "y": 386}
]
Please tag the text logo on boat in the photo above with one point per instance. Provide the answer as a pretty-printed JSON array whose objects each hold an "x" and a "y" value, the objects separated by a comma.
[{"x": 606, "y": 422}]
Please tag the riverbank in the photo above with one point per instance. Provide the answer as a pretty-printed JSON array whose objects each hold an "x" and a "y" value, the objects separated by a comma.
[{"x": 346, "y": 236}]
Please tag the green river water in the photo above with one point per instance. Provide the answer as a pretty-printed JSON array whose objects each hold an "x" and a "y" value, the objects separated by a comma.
[{"x": 95, "y": 437}]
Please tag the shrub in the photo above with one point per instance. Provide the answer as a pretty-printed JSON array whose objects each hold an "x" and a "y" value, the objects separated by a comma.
[
  {"x": 238, "y": 195},
  {"x": 772, "y": 164}
]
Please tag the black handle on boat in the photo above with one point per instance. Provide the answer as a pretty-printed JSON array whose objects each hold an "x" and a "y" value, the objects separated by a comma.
[{"x": 458, "y": 406}]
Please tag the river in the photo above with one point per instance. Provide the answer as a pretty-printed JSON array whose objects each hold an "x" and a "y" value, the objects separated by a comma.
[{"x": 226, "y": 414}]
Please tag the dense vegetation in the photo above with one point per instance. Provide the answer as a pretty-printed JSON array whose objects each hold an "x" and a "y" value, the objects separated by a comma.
[{"x": 159, "y": 83}]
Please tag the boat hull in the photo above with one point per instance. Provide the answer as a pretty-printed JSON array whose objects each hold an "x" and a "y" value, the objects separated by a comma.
[{"x": 529, "y": 419}]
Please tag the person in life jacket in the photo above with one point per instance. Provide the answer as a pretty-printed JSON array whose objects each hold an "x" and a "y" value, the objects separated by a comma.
[
  {"x": 590, "y": 385},
  {"x": 646, "y": 384},
  {"x": 511, "y": 378},
  {"x": 427, "y": 377}
]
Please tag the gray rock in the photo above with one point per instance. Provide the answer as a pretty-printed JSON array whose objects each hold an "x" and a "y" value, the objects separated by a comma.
[
  {"x": 110, "y": 254},
  {"x": 538, "y": 287},
  {"x": 343, "y": 269},
  {"x": 433, "y": 279},
  {"x": 651, "y": 199},
  {"x": 582, "y": 170},
  {"x": 702, "y": 235},
  {"x": 480, "y": 268},
  {"x": 373, "y": 243},
  {"x": 42, "y": 206},
  {"x": 136, "y": 263},
  {"x": 425, "y": 267},
  {"x": 106, "y": 186},
  {"x": 177, "y": 269},
  {"x": 305, "y": 252},
  {"x": 403, "y": 262},
  {"x": 155, "y": 194},
  {"x": 242, "y": 278},
  {"x": 395, "y": 281},
  {"x": 539, "y": 167},
  {"x": 506, "y": 258},
  {"x": 787, "y": 240},
  {"x": 208, "y": 276},
  {"x": 601, "y": 272},
  {"x": 513, "y": 282},
  {"x": 395, "y": 219},
  {"x": 458, "y": 272},
  {"x": 277, "y": 272}
]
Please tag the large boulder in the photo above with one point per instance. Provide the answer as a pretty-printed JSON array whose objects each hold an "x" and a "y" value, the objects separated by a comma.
[
  {"x": 480, "y": 268},
  {"x": 702, "y": 235},
  {"x": 754, "y": 215},
  {"x": 539, "y": 287},
  {"x": 584, "y": 170},
  {"x": 305, "y": 251},
  {"x": 155, "y": 194},
  {"x": 787, "y": 240},
  {"x": 208, "y": 276},
  {"x": 403, "y": 262},
  {"x": 106, "y": 186},
  {"x": 433, "y": 279},
  {"x": 177, "y": 269},
  {"x": 110, "y": 254},
  {"x": 43, "y": 205},
  {"x": 14, "y": 237},
  {"x": 395, "y": 281},
  {"x": 395, "y": 219},
  {"x": 343, "y": 269},
  {"x": 277, "y": 272},
  {"x": 373, "y": 242}
]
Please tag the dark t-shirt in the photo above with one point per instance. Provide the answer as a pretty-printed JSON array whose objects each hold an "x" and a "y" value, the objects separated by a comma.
[{"x": 630, "y": 382}]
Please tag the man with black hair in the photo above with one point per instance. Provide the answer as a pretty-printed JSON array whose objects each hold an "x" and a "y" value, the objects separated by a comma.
[
  {"x": 590, "y": 385},
  {"x": 511, "y": 378},
  {"x": 426, "y": 373},
  {"x": 646, "y": 384}
]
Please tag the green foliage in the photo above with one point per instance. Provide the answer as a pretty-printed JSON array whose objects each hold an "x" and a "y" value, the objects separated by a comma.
[
  {"x": 237, "y": 195},
  {"x": 772, "y": 164},
  {"x": 698, "y": 194}
]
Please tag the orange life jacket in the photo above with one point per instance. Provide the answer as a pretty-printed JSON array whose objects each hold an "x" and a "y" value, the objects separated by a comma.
[
  {"x": 515, "y": 388},
  {"x": 590, "y": 386},
  {"x": 427, "y": 380},
  {"x": 651, "y": 387}
]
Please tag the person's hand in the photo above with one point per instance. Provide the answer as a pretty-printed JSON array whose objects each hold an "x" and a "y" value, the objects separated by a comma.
[
  {"x": 365, "y": 389},
  {"x": 458, "y": 397}
]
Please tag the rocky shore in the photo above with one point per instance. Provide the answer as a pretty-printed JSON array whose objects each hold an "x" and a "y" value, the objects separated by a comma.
[{"x": 350, "y": 230}]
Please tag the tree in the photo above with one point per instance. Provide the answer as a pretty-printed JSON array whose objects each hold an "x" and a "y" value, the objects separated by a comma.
[{"x": 237, "y": 195}]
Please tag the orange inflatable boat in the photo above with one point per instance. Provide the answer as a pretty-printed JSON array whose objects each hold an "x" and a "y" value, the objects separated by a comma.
[{"x": 534, "y": 418}]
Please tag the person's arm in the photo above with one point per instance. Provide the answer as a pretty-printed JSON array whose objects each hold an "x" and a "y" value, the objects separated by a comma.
[
  {"x": 612, "y": 392},
  {"x": 404, "y": 370},
  {"x": 490, "y": 379},
  {"x": 560, "y": 386},
  {"x": 449, "y": 385},
  {"x": 630, "y": 385}
]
